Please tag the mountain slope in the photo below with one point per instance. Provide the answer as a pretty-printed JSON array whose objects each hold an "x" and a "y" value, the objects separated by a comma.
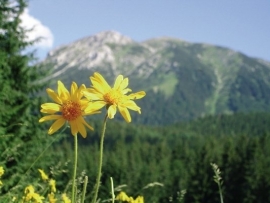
[{"x": 182, "y": 80}]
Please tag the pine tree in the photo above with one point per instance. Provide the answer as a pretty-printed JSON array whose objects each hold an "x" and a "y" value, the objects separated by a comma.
[{"x": 20, "y": 137}]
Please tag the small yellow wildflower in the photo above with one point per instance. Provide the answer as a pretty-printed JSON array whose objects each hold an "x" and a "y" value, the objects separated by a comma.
[
  {"x": 65, "y": 198},
  {"x": 29, "y": 189},
  {"x": 68, "y": 107},
  {"x": 51, "y": 198},
  {"x": 113, "y": 97},
  {"x": 31, "y": 195},
  {"x": 139, "y": 199},
  {"x": 43, "y": 175},
  {"x": 122, "y": 196},
  {"x": 37, "y": 198},
  {"x": 2, "y": 171},
  {"x": 52, "y": 184}
]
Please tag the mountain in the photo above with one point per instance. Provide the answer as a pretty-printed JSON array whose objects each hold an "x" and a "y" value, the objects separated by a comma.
[{"x": 182, "y": 80}]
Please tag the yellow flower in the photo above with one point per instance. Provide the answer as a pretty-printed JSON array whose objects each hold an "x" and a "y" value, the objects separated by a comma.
[
  {"x": 139, "y": 199},
  {"x": 29, "y": 189},
  {"x": 37, "y": 198},
  {"x": 114, "y": 97},
  {"x": 65, "y": 198},
  {"x": 31, "y": 195},
  {"x": 2, "y": 171},
  {"x": 51, "y": 198},
  {"x": 43, "y": 175},
  {"x": 52, "y": 184},
  {"x": 122, "y": 196},
  {"x": 68, "y": 107}
]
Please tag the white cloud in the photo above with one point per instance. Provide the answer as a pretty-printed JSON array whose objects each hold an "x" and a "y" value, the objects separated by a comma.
[{"x": 39, "y": 30}]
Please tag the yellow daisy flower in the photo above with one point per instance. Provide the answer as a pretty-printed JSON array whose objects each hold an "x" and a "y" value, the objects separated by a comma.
[
  {"x": 113, "y": 97},
  {"x": 68, "y": 107}
]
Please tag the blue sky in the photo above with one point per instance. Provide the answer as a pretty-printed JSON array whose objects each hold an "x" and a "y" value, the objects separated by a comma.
[{"x": 242, "y": 25}]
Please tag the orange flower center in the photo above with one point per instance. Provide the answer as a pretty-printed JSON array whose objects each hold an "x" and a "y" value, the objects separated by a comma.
[
  {"x": 113, "y": 96},
  {"x": 71, "y": 110}
]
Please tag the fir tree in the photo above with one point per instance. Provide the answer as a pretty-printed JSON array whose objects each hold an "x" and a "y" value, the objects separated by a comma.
[{"x": 20, "y": 137}]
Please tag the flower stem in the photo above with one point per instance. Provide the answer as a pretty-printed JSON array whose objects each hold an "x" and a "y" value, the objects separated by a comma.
[
  {"x": 112, "y": 188},
  {"x": 100, "y": 159},
  {"x": 84, "y": 188},
  {"x": 74, "y": 168},
  {"x": 220, "y": 193}
]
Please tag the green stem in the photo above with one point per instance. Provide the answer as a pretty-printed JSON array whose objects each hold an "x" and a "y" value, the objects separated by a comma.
[
  {"x": 84, "y": 188},
  {"x": 112, "y": 190},
  {"x": 100, "y": 159},
  {"x": 220, "y": 193},
  {"x": 75, "y": 168}
]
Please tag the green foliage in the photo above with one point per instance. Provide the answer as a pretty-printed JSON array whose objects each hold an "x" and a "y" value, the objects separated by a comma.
[
  {"x": 176, "y": 158},
  {"x": 21, "y": 139}
]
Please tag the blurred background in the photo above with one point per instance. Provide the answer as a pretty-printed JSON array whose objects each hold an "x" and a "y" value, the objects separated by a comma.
[{"x": 205, "y": 68}]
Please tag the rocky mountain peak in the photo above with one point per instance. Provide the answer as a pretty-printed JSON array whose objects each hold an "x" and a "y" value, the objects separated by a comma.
[
  {"x": 111, "y": 37},
  {"x": 87, "y": 52}
]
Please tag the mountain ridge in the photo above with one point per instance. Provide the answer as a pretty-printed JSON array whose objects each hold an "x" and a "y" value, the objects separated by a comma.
[{"x": 193, "y": 79}]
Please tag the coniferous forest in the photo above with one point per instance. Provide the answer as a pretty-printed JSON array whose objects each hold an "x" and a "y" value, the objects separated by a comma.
[{"x": 163, "y": 164}]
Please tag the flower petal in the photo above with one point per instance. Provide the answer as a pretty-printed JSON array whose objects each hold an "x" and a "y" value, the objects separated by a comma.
[
  {"x": 62, "y": 91},
  {"x": 81, "y": 128},
  {"x": 49, "y": 117},
  {"x": 100, "y": 88},
  {"x": 48, "y": 111},
  {"x": 56, "y": 125},
  {"x": 137, "y": 95},
  {"x": 85, "y": 123},
  {"x": 125, "y": 91},
  {"x": 118, "y": 81},
  {"x": 84, "y": 103},
  {"x": 80, "y": 91},
  {"x": 92, "y": 94},
  {"x": 50, "y": 107},
  {"x": 74, "y": 127},
  {"x": 131, "y": 105},
  {"x": 94, "y": 106},
  {"x": 73, "y": 90},
  {"x": 123, "y": 84},
  {"x": 111, "y": 111},
  {"x": 99, "y": 78},
  {"x": 125, "y": 113},
  {"x": 53, "y": 96}
]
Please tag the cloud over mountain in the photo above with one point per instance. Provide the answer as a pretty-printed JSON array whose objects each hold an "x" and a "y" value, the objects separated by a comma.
[{"x": 38, "y": 30}]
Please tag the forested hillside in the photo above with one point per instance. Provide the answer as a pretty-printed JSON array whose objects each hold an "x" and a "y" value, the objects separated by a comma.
[{"x": 179, "y": 157}]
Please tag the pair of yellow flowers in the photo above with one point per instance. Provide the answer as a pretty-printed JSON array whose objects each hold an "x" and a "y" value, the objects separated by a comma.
[{"x": 72, "y": 106}]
